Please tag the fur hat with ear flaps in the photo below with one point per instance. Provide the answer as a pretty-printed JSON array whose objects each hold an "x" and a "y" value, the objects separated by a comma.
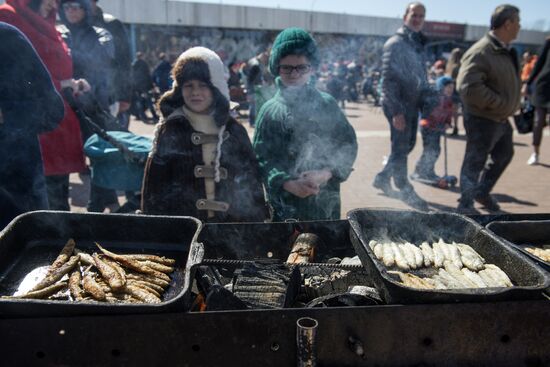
[
  {"x": 198, "y": 63},
  {"x": 293, "y": 41}
]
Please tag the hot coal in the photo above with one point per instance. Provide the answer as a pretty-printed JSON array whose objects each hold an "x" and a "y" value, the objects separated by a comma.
[{"x": 266, "y": 285}]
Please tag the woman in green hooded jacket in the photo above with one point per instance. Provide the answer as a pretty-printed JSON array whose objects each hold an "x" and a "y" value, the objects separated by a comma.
[{"x": 304, "y": 144}]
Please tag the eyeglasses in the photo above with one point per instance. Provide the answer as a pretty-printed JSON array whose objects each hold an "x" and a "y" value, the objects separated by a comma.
[
  {"x": 73, "y": 5},
  {"x": 288, "y": 69}
]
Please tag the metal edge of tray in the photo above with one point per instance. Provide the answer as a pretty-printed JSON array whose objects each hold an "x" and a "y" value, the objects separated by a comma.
[
  {"x": 40, "y": 308},
  {"x": 491, "y": 227},
  {"x": 393, "y": 292}
]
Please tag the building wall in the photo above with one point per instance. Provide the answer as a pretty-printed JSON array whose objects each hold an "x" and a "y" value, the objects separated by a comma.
[{"x": 169, "y": 12}]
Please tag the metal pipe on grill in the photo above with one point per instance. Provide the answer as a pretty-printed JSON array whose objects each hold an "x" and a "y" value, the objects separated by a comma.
[{"x": 306, "y": 332}]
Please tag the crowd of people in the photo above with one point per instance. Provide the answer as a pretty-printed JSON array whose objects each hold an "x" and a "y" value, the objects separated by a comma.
[{"x": 202, "y": 162}]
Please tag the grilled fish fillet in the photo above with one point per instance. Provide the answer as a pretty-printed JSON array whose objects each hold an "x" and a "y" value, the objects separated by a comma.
[{"x": 428, "y": 254}]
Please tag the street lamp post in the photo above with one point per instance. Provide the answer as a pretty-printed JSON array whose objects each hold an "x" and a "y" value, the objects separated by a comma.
[{"x": 311, "y": 16}]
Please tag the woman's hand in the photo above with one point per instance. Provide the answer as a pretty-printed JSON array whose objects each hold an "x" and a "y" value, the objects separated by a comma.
[{"x": 301, "y": 188}]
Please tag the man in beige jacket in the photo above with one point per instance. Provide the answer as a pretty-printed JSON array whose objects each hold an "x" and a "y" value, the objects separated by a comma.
[{"x": 489, "y": 85}]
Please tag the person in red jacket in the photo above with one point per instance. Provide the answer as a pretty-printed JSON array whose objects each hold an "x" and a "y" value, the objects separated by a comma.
[{"x": 61, "y": 148}]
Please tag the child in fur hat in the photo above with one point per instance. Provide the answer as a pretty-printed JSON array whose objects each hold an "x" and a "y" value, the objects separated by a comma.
[
  {"x": 202, "y": 163},
  {"x": 304, "y": 144}
]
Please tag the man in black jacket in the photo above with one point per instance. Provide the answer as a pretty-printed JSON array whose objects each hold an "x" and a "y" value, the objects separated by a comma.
[
  {"x": 92, "y": 49},
  {"x": 121, "y": 61},
  {"x": 161, "y": 74},
  {"x": 405, "y": 94},
  {"x": 142, "y": 84},
  {"x": 29, "y": 105}
]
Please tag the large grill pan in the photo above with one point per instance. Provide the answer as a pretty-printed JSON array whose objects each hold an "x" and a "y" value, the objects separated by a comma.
[
  {"x": 34, "y": 239},
  {"x": 521, "y": 233},
  {"x": 415, "y": 227}
]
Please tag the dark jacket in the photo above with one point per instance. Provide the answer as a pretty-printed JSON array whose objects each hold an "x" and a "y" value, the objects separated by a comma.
[
  {"x": 405, "y": 86},
  {"x": 161, "y": 76},
  {"x": 92, "y": 50},
  {"x": 29, "y": 105},
  {"x": 170, "y": 186},
  {"x": 141, "y": 76},
  {"x": 297, "y": 131},
  {"x": 488, "y": 80},
  {"x": 541, "y": 77},
  {"x": 122, "y": 58}
]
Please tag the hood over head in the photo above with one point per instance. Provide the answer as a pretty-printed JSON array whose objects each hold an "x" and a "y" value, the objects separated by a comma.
[
  {"x": 87, "y": 10},
  {"x": 199, "y": 63}
]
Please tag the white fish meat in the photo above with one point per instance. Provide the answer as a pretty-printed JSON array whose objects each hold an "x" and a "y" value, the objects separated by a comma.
[
  {"x": 399, "y": 257},
  {"x": 455, "y": 255},
  {"x": 428, "y": 254},
  {"x": 473, "y": 277},
  {"x": 387, "y": 255},
  {"x": 470, "y": 258},
  {"x": 413, "y": 281},
  {"x": 379, "y": 251},
  {"x": 438, "y": 283},
  {"x": 444, "y": 249},
  {"x": 439, "y": 256},
  {"x": 372, "y": 243},
  {"x": 543, "y": 254},
  {"x": 409, "y": 255},
  {"x": 455, "y": 272},
  {"x": 489, "y": 279},
  {"x": 447, "y": 279},
  {"x": 418, "y": 257},
  {"x": 499, "y": 274}
]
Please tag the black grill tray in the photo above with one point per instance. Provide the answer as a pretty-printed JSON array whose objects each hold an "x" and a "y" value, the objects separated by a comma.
[
  {"x": 250, "y": 241},
  {"x": 35, "y": 239},
  {"x": 521, "y": 233},
  {"x": 415, "y": 227}
]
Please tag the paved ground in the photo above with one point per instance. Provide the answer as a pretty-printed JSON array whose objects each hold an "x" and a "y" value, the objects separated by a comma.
[{"x": 522, "y": 188}]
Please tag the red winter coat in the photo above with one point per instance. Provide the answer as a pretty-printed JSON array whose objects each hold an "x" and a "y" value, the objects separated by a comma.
[{"x": 61, "y": 148}]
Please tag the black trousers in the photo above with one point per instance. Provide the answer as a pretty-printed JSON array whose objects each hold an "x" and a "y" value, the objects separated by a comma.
[
  {"x": 484, "y": 138},
  {"x": 101, "y": 198},
  {"x": 538, "y": 126},
  {"x": 402, "y": 143},
  {"x": 58, "y": 192}
]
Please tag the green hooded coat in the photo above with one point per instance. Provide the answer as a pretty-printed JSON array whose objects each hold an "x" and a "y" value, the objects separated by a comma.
[{"x": 298, "y": 130}]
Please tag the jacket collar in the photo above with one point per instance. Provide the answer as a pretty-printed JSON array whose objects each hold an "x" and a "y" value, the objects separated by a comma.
[
  {"x": 409, "y": 35},
  {"x": 499, "y": 48}
]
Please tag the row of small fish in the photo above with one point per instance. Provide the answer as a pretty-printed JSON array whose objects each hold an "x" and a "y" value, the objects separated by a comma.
[
  {"x": 543, "y": 254},
  {"x": 107, "y": 277},
  {"x": 406, "y": 256},
  {"x": 451, "y": 277}
]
